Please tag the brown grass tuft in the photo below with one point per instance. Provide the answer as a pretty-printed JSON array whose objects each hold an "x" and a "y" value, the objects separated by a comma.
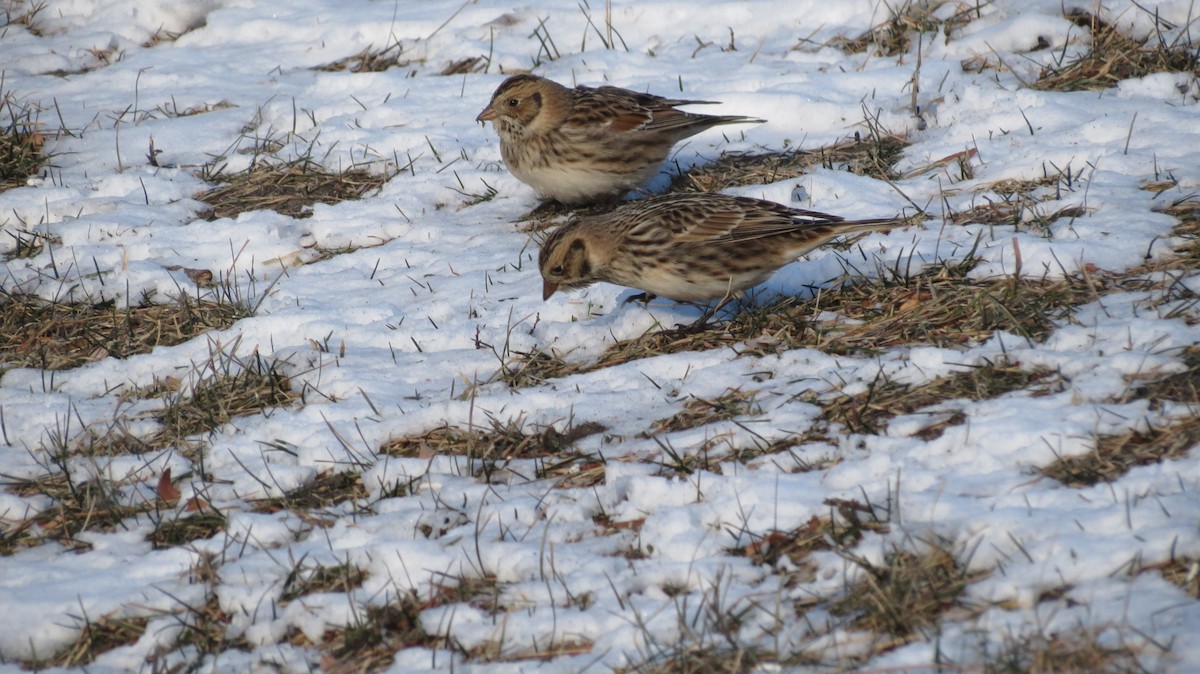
[
  {"x": 700, "y": 412},
  {"x": 371, "y": 61},
  {"x": 228, "y": 387},
  {"x": 286, "y": 188},
  {"x": 1114, "y": 57},
  {"x": 1077, "y": 651},
  {"x": 1182, "y": 571},
  {"x": 340, "y": 578},
  {"x": 907, "y": 593},
  {"x": 174, "y": 530},
  {"x": 893, "y": 37},
  {"x": 55, "y": 336},
  {"x": 848, "y": 522},
  {"x": 21, "y": 141},
  {"x": 329, "y": 489},
  {"x": 96, "y": 638},
  {"x": 1116, "y": 455},
  {"x": 869, "y": 412},
  {"x": 875, "y": 155},
  {"x": 91, "y": 505},
  {"x": 505, "y": 440},
  {"x": 371, "y": 642}
]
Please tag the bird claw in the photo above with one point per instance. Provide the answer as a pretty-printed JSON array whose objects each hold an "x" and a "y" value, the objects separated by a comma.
[{"x": 644, "y": 298}]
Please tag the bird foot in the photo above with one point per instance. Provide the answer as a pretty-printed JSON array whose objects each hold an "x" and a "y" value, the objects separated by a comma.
[{"x": 644, "y": 298}]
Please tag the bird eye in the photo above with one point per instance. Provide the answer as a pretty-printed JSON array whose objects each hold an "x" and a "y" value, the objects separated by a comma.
[
  {"x": 557, "y": 271},
  {"x": 513, "y": 102}
]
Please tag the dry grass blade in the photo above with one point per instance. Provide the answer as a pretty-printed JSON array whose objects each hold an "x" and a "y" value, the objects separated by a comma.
[
  {"x": 53, "y": 336},
  {"x": 289, "y": 189},
  {"x": 490, "y": 450},
  {"x": 841, "y": 532},
  {"x": 183, "y": 530},
  {"x": 939, "y": 306},
  {"x": 1114, "y": 57},
  {"x": 893, "y": 37},
  {"x": 1183, "y": 571}
]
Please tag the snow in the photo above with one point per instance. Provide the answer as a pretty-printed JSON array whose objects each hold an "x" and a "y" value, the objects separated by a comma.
[{"x": 405, "y": 332}]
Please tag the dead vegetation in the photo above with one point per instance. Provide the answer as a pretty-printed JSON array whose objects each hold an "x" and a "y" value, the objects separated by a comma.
[
  {"x": 874, "y": 155},
  {"x": 305, "y": 580},
  {"x": 1113, "y": 57},
  {"x": 21, "y": 140},
  {"x": 894, "y": 35},
  {"x": 907, "y": 593},
  {"x": 227, "y": 387},
  {"x": 495, "y": 446},
  {"x": 1075, "y": 651},
  {"x": 288, "y": 188},
  {"x": 95, "y": 638},
  {"x": 868, "y": 412},
  {"x": 331, "y": 488},
  {"x": 370, "y": 643},
  {"x": 1116, "y": 455},
  {"x": 700, "y": 411},
  {"x": 59, "y": 336},
  {"x": 76, "y": 506}
]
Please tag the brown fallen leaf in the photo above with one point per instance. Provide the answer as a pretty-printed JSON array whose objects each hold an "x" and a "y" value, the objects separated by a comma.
[{"x": 167, "y": 491}]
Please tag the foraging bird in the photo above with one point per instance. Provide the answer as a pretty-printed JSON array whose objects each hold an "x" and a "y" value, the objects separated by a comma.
[
  {"x": 692, "y": 247},
  {"x": 588, "y": 144}
]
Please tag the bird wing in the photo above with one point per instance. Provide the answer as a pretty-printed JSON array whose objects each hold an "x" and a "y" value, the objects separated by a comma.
[
  {"x": 732, "y": 219},
  {"x": 623, "y": 110}
]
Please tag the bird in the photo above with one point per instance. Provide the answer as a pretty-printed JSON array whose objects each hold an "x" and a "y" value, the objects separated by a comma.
[
  {"x": 586, "y": 145},
  {"x": 690, "y": 247}
]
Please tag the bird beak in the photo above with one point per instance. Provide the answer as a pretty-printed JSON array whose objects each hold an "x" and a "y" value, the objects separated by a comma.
[
  {"x": 548, "y": 289},
  {"x": 487, "y": 115}
]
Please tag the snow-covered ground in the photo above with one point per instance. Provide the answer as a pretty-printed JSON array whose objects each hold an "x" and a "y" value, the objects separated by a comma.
[{"x": 434, "y": 273}]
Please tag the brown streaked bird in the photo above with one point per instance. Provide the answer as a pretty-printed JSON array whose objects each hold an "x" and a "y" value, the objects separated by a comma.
[
  {"x": 691, "y": 247},
  {"x": 588, "y": 144}
]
